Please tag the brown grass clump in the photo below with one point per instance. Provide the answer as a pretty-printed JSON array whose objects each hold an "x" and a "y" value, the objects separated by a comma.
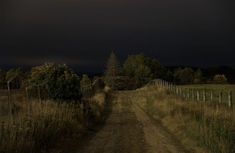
[{"x": 36, "y": 127}]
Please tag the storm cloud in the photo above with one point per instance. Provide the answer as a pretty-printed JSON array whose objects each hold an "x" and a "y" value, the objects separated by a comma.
[{"x": 84, "y": 32}]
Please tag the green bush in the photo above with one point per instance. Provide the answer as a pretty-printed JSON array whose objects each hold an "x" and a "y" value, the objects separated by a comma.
[
  {"x": 58, "y": 80},
  {"x": 184, "y": 76},
  {"x": 85, "y": 81},
  {"x": 142, "y": 69}
]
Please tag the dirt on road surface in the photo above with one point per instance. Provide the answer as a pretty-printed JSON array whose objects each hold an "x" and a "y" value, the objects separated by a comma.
[{"x": 128, "y": 129}]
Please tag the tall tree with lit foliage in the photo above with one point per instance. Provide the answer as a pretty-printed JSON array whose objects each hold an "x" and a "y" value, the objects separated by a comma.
[{"x": 113, "y": 71}]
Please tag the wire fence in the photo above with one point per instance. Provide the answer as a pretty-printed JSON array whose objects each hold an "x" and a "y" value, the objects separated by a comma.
[
  {"x": 214, "y": 96},
  {"x": 12, "y": 100}
]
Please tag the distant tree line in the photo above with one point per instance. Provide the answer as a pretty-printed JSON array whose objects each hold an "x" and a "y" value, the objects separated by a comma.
[
  {"x": 61, "y": 82},
  {"x": 137, "y": 70}
]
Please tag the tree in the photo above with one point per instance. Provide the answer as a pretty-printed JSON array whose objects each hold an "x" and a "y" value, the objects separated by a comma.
[
  {"x": 135, "y": 67},
  {"x": 197, "y": 76},
  {"x": 113, "y": 70},
  {"x": 157, "y": 70},
  {"x": 220, "y": 79},
  {"x": 143, "y": 69},
  {"x": 58, "y": 80},
  {"x": 85, "y": 81},
  {"x": 143, "y": 75},
  {"x": 184, "y": 76}
]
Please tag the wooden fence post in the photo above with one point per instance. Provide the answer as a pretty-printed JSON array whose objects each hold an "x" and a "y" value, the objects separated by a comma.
[
  {"x": 204, "y": 95},
  {"x": 8, "y": 92},
  {"x": 10, "y": 102},
  {"x": 220, "y": 97},
  {"x": 198, "y": 96},
  {"x": 193, "y": 94},
  {"x": 230, "y": 98},
  {"x": 212, "y": 95},
  {"x": 188, "y": 94},
  {"x": 9, "y": 99},
  {"x": 175, "y": 88},
  {"x": 27, "y": 94},
  {"x": 183, "y": 93}
]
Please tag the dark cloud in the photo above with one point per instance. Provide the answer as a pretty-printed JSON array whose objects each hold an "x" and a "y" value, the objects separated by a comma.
[{"x": 83, "y": 32}]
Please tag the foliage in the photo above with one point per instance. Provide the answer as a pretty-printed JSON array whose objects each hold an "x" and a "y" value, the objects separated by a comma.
[
  {"x": 157, "y": 70},
  {"x": 59, "y": 81},
  {"x": 142, "y": 69},
  {"x": 98, "y": 84},
  {"x": 198, "y": 76},
  {"x": 184, "y": 76},
  {"x": 85, "y": 81},
  {"x": 220, "y": 79},
  {"x": 113, "y": 70}
]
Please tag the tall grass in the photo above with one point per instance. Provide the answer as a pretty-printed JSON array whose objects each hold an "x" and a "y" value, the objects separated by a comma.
[
  {"x": 35, "y": 127},
  {"x": 216, "y": 89},
  {"x": 211, "y": 126}
]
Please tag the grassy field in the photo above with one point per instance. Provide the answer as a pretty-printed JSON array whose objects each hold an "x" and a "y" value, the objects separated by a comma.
[
  {"x": 216, "y": 89},
  {"x": 35, "y": 127},
  {"x": 202, "y": 127}
]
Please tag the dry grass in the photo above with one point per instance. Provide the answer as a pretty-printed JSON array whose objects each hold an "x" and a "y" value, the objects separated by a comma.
[
  {"x": 201, "y": 127},
  {"x": 36, "y": 127}
]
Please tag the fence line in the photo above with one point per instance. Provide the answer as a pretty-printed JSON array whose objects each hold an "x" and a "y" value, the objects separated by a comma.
[
  {"x": 40, "y": 95},
  {"x": 193, "y": 94}
]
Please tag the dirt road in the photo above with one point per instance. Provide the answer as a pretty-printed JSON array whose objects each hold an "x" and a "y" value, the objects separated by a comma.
[{"x": 128, "y": 129}]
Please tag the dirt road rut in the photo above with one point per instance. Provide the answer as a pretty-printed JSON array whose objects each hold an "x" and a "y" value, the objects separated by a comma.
[{"x": 128, "y": 129}]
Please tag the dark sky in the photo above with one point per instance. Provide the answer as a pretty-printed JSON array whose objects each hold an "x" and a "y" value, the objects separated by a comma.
[{"x": 82, "y": 33}]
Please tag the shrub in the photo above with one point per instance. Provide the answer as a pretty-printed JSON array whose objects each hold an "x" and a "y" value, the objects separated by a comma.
[
  {"x": 85, "y": 81},
  {"x": 58, "y": 80},
  {"x": 220, "y": 79},
  {"x": 184, "y": 76},
  {"x": 197, "y": 77},
  {"x": 142, "y": 69}
]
